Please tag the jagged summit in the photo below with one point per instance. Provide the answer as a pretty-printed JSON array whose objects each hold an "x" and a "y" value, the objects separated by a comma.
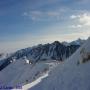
[{"x": 56, "y": 42}]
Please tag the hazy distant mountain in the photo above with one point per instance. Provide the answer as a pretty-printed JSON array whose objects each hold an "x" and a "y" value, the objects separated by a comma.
[{"x": 76, "y": 42}]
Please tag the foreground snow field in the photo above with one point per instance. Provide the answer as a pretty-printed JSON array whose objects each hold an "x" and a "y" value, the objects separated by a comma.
[
  {"x": 73, "y": 74},
  {"x": 21, "y": 73}
]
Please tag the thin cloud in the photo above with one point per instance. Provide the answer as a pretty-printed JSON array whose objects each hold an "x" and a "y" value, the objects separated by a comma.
[
  {"x": 74, "y": 16},
  {"x": 75, "y": 26},
  {"x": 40, "y": 15}
]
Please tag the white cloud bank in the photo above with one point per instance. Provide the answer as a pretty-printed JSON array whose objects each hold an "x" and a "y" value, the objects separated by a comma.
[{"x": 82, "y": 20}]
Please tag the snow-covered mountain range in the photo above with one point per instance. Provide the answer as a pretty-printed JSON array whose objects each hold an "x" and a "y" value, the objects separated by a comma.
[
  {"x": 54, "y": 51},
  {"x": 27, "y": 67},
  {"x": 72, "y": 74}
]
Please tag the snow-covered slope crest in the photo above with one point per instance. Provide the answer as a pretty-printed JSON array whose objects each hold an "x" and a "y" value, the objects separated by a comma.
[{"x": 73, "y": 74}]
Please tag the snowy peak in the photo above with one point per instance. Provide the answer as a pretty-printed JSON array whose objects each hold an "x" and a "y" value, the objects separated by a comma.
[{"x": 56, "y": 43}]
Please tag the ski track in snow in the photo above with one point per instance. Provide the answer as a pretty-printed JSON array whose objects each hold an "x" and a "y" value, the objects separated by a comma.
[{"x": 30, "y": 85}]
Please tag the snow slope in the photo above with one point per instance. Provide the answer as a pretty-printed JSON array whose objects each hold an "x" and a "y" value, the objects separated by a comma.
[
  {"x": 73, "y": 74},
  {"x": 21, "y": 73}
]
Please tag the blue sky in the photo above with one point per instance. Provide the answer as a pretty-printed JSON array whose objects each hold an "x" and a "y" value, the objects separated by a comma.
[{"x": 25, "y": 23}]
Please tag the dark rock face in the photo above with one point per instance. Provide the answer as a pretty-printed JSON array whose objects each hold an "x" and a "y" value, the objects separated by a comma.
[{"x": 53, "y": 51}]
